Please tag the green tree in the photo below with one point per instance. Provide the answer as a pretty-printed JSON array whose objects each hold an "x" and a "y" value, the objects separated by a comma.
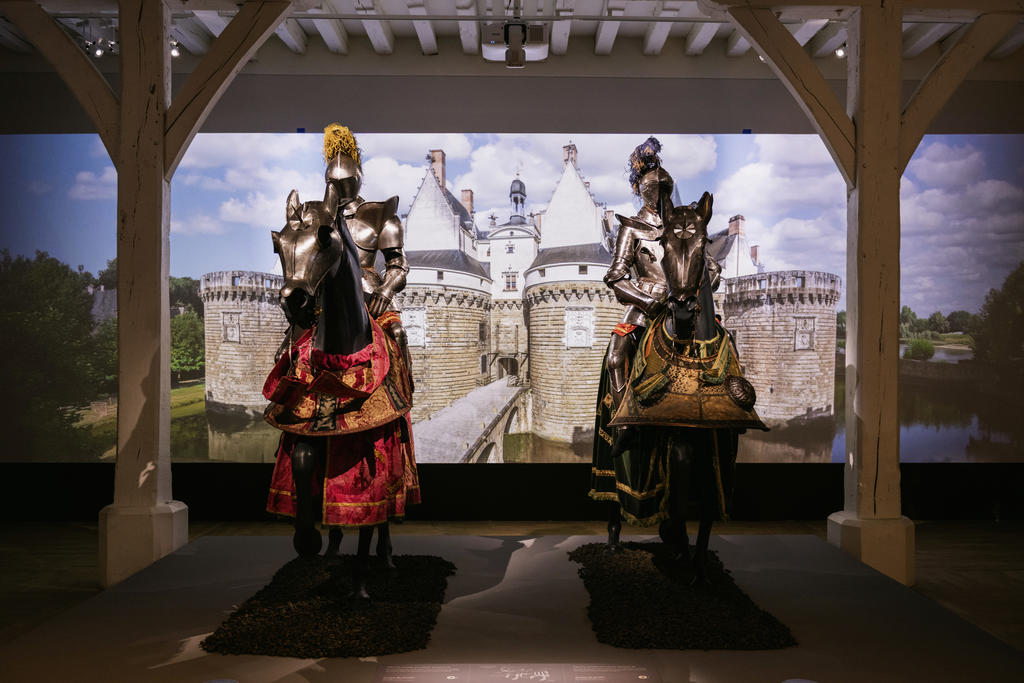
[
  {"x": 1000, "y": 333},
  {"x": 188, "y": 354},
  {"x": 104, "y": 357},
  {"x": 184, "y": 291},
  {"x": 919, "y": 349},
  {"x": 841, "y": 325},
  {"x": 938, "y": 323},
  {"x": 959, "y": 321},
  {"x": 46, "y": 346},
  {"x": 108, "y": 276},
  {"x": 908, "y": 322}
]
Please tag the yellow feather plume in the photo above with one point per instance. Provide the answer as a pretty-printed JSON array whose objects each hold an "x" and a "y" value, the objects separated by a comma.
[{"x": 338, "y": 138}]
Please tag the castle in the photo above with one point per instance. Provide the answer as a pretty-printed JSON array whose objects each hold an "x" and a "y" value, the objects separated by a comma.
[{"x": 525, "y": 300}]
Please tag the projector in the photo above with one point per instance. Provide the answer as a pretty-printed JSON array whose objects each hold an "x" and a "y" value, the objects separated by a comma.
[{"x": 514, "y": 42}]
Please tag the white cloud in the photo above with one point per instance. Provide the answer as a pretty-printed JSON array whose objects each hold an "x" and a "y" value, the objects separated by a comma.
[
  {"x": 247, "y": 150},
  {"x": 413, "y": 147},
  {"x": 941, "y": 165},
  {"x": 384, "y": 177},
  {"x": 199, "y": 224},
  {"x": 89, "y": 185}
]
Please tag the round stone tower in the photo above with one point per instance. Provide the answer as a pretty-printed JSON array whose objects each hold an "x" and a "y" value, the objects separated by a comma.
[
  {"x": 785, "y": 328},
  {"x": 244, "y": 328},
  {"x": 570, "y": 313}
]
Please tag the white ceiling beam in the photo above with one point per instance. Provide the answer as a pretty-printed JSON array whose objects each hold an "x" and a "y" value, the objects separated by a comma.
[
  {"x": 657, "y": 32},
  {"x": 946, "y": 76},
  {"x": 379, "y": 32},
  {"x": 804, "y": 81},
  {"x": 191, "y": 34},
  {"x": 560, "y": 29},
  {"x": 292, "y": 35},
  {"x": 469, "y": 30},
  {"x": 11, "y": 39},
  {"x": 238, "y": 42},
  {"x": 74, "y": 67},
  {"x": 331, "y": 31},
  {"x": 920, "y": 37},
  {"x": 806, "y": 30},
  {"x": 828, "y": 39},
  {"x": 604, "y": 37},
  {"x": 213, "y": 21},
  {"x": 700, "y": 36},
  {"x": 737, "y": 45},
  {"x": 1011, "y": 44},
  {"x": 424, "y": 29}
]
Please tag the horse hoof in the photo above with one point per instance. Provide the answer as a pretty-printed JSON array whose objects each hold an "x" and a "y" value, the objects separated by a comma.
[
  {"x": 307, "y": 541},
  {"x": 388, "y": 563},
  {"x": 613, "y": 547},
  {"x": 359, "y": 593}
]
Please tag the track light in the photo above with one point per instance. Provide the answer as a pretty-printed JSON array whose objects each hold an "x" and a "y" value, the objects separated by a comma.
[
  {"x": 175, "y": 50},
  {"x": 841, "y": 51},
  {"x": 98, "y": 51}
]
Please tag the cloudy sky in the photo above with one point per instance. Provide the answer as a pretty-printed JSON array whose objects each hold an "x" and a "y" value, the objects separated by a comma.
[{"x": 962, "y": 197}]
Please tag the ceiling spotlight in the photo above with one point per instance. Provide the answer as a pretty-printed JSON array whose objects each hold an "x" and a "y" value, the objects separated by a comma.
[
  {"x": 98, "y": 52},
  {"x": 761, "y": 57},
  {"x": 841, "y": 51},
  {"x": 175, "y": 51}
]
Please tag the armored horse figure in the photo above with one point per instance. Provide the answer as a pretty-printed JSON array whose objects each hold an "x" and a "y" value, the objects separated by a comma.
[
  {"x": 672, "y": 399},
  {"x": 341, "y": 392}
]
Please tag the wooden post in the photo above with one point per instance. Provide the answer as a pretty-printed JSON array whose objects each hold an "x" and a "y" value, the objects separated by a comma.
[
  {"x": 871, "y": 526},
  {"x": 143, "y": 524}
]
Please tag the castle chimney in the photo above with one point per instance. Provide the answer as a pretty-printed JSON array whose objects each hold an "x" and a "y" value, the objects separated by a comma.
[
  {"x": 569, "y": 156},
  {"x": 437, "y": 165},
  {"x": 736, "y": 225},
  {"x": 467, "y": 200},
  {"x": 609, "y": 216},
  {"x": 753, "y": 254}
]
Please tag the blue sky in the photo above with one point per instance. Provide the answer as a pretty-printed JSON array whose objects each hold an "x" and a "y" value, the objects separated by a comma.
[{"x": 962, "y": 196}]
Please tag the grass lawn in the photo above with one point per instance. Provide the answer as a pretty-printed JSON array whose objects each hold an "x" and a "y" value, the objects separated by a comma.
[{"x": 186, "y": 401}]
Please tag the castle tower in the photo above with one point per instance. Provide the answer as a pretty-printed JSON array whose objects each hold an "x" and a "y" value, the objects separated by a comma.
[
  {"x": 784, "y": 324},
  {"x": 732, "y": 251},
  {"x": 445, "y": 306},
  {"x": 244, "y": 328},
  {"x": 570, "y": 311}
]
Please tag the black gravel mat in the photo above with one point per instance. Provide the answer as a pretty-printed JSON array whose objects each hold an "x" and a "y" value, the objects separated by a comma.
[
  {"x": 306, "y": 610},
  {"x": 639, "y": 598}
]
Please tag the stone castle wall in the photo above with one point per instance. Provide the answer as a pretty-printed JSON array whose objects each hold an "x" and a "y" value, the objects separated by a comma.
[
  {"x": 785, "y": 329},
  {"x": 509, "y": 337},
  {"x": 244, "y": 328},
  {"x": 448, "y": 335},
  {"x": 570, "y": 323}
]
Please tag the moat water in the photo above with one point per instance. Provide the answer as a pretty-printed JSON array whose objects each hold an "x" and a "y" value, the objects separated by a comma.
[{"x": 939, "y": 422}]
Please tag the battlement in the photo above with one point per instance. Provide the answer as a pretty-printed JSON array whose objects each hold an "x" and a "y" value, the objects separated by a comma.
[
  {"x": 785, "y": 286},
  {"x": 239, "y": 284}
]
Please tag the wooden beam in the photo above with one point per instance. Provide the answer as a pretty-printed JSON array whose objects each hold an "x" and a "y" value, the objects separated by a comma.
[
  {"x": 604, "y": 36},
  {"x": 424, "y": 29},
  {"x": 378, "y": 32},
  {"x": 213, "y": 21},
  {"x": 469, "y": 30},
  {"x": 332, "y": 31},
  {"x": 191, "y": 35},
  {"x": 946, "y": 76},
  {"x": 801, "y": 77},
  {"x": 242, "y": 37},
  {"x": 561, "y": 27},
  {"x": 805, "y": 30},
  {"x": 988, "y": 6},
  {"x": 292, "y": 35},
  {"x": 737, "y": 44},
  {"x": 920, "y": 37},
  {"x": 1011, "y": 44},
  {"x": 11, "y": 39},
  {"x": 75, "y": 68},
  {"x": 699, "y": 37},
  {"x": 657, "y": 32},
  {"x": 825, "y": 42}
]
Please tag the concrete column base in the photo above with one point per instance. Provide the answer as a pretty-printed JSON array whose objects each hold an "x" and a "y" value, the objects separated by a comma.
[
  {"x": 883, "y": 544},
  {"x": 132, "y": 538}
]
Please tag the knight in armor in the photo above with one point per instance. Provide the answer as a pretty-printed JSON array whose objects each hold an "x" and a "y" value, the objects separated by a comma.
[{"x": 375, "y": 227}]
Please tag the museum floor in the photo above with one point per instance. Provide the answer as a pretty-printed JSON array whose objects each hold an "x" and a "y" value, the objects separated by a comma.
[{"x": 516, "y": 599}]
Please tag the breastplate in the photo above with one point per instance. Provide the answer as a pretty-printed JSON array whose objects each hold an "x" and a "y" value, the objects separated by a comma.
[{"x": 648, "y": 261}]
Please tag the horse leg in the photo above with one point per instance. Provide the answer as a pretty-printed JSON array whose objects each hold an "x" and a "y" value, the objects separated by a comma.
[
  {"x": 614, "y": 526},
  {"x": 673, "y": 530},
  {"x": 306, "y": 540},
  {"x": 362, "y": 563},
  {"x": 334, "y": 537},
  {"x": 706, "y": 486},
  {"x": 384, "y": 545}
]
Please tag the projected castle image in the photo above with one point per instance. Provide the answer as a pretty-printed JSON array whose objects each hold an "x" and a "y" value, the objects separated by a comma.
[{"x": 514, "y": 320}]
